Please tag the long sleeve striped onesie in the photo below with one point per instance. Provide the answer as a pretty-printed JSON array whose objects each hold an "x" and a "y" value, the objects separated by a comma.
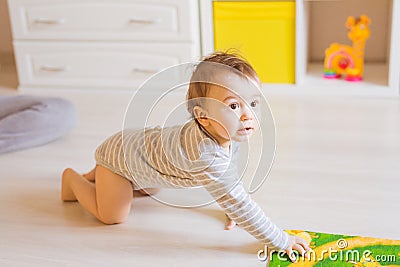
[{"x": 186, "y": 156}]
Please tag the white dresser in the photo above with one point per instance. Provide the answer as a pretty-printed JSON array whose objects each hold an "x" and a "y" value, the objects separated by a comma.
[{"x": 101, "y": 43}]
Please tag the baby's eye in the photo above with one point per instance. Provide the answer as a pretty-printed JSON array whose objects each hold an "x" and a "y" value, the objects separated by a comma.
[
  {"x": 253, "y": 104},
  {"x": 234, "y": 106}
]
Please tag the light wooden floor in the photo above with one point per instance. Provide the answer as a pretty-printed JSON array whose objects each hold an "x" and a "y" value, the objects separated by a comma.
[{"x": 336, "y": 170}]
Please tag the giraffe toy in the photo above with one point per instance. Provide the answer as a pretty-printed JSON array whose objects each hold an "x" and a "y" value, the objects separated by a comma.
[{"x": 348, "y": 60}]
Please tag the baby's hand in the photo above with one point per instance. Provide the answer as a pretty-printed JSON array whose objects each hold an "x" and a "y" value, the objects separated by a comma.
[
  {"x": 230, "y": 224},
  {"x": 299, "y": 244}
]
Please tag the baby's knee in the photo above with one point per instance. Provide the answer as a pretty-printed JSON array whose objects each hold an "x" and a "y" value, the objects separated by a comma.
[
  {"x": 110, "y": 220},
  {"x": 67, "y": 172},
  {"x": 115, "y": 216}
]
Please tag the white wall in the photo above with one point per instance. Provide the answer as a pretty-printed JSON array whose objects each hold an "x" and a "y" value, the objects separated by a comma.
[
  {"x": 326, "y": 25},
  {"x": 5, "y": 30}
]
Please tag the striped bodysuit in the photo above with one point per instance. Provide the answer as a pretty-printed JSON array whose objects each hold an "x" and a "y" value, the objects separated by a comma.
[{"x": 186, "y": 156}]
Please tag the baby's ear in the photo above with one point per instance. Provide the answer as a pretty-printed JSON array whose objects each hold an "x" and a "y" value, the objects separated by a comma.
[{"x": 201, "y": 115}]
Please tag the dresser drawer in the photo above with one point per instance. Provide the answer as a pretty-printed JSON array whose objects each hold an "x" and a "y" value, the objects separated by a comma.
[
  {"x": 165, "y": 20},
  {"x": 107, "y": 65}
]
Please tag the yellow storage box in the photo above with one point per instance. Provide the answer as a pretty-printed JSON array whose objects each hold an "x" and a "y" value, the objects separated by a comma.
[{"x": 264, "y": 33}]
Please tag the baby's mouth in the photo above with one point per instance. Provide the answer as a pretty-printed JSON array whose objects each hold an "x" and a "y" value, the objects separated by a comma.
[{"x": 246, "y": 130}]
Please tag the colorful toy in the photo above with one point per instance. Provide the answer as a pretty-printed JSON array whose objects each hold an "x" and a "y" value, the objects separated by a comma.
[{"x": 348, "y": 60}]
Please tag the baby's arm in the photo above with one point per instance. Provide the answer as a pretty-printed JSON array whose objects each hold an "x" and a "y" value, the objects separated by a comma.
[
  {"x": 240, "y": 208},
  {"x": 295, "y": 242},
  {"x": 238, "y": 205}
]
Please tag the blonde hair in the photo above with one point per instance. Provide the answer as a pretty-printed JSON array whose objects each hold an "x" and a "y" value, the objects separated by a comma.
[{"x": 200, "y": 81}]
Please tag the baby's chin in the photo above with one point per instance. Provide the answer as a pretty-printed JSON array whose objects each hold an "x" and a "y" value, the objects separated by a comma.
[{"x": 242, "y": 139}]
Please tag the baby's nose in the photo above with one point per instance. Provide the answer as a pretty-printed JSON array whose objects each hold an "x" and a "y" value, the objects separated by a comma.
[
  {"x": 247, "y": 115},
  {"x": 244, "y": 117}
]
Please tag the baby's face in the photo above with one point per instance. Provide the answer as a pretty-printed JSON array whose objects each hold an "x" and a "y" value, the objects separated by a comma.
[{"x": 233, "y": 109}]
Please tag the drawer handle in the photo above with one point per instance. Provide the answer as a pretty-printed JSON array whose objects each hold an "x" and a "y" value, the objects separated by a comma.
[
  {"x": 144, "y": 70},
  {"x": 53, "y": 68},
  {"x": 144, "y": 21},
  {"x": 49, "y": 21}
]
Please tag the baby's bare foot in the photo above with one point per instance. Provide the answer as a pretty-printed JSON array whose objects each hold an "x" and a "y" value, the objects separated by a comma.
[
  {"x": 66, "y": 192},
  {"x": 90, "y": 176}
]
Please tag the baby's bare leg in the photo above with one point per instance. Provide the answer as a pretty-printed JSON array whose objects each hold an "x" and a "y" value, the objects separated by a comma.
[
  {"x": 109, "y": 199},
  {"x": 66, "y": 191}
]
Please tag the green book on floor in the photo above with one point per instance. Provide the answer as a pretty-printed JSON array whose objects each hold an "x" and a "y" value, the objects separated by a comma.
[{"x": 341, "y": 251}]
